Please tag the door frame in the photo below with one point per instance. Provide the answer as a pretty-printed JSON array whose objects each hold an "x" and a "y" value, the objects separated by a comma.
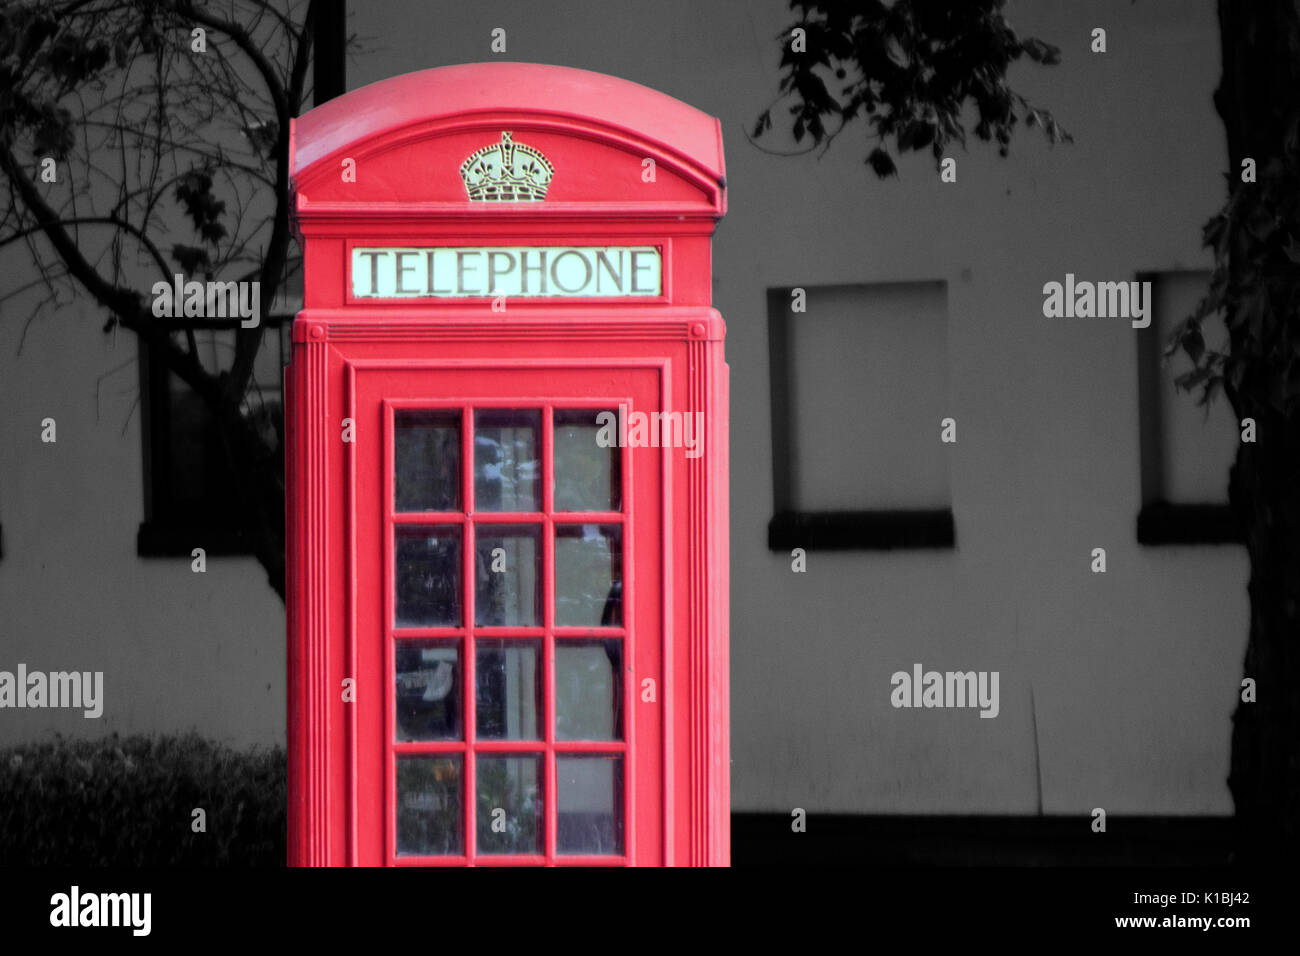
[{"x": 365, "y": 396}]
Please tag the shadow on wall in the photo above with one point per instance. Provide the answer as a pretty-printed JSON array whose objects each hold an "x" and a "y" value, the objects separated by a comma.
[{"x": 767, "y": 839}]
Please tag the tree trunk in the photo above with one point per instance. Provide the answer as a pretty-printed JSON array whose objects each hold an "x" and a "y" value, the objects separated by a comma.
[
  {"x": 1259, "y": 101},
  {"x": 1265, "y": 770}
]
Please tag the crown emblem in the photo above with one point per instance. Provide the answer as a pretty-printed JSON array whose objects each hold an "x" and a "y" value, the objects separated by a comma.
[{"x": 506, "y": 172}]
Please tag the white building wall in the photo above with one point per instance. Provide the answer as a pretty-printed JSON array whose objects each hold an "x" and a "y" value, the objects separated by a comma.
[{"x": 178, "y": 650}]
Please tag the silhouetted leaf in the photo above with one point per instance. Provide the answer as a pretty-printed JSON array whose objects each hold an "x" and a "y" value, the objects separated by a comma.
[
  {"x": 1193, "y": 343},
  {"x": 192, "y": 259},
  {"x": 881, "y": 163},
  {"x": 1042, "y": 52},
  {"x": 915, "y": 135},
  {"x": 53, "y": 135},
  {"x": 194, "y": 192}
]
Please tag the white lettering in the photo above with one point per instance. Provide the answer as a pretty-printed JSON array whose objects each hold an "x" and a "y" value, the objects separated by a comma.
[
  {"x": 486, "y": 272},
  {"x": 74, "y": 690},
  {"x": 74, "y": 908},
  {"x": 947, "y": 689}
]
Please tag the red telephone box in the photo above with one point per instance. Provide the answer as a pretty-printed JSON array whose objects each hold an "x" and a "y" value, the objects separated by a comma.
[{"x": 507, "y": 476}]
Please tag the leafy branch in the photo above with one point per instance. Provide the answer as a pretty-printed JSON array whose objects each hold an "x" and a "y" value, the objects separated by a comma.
[{"x": 910, "y": 71}]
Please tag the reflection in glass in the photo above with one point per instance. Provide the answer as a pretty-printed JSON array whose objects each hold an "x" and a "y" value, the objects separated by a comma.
[
  {"x": 588, "y": 697},
  {"x": 509, "y": 576},
  {"x": 588, "y": 575},
  {"x": 428, "y": 576},
  {"x": 586, "y": 469},
  {"x": 426, "y": 458},
  {"x": 509, "y": 807},
  {"x": 429, "y": 806},
  {"x": 428, "y": 690},
  {"x": 589, "y": 798},
  {"x": 508, "y": 688},
  {"x": 506, "y": 468}
]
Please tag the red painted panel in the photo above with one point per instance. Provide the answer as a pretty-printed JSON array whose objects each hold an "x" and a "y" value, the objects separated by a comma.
[
  {"x": 376, "y": 112},
  {"x": 585, "y": 171}
]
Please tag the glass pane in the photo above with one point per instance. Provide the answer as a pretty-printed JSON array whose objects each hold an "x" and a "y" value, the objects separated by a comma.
[
  {"x": 509, "y": 576},
  {"x": 508, "y": 689},
  {"x": 588, "y": 697},
  {"x": 588, "y": 575},
  {"x": 506, "y": 466},
  {"x": 426, "y": 458},
  {"x": 509, "y": 808},
  {"x": 428, "y": 576},
  {"x": 428, "y": 806},
  {"x": 589, "y": 801},
  {"x": 587, "y": 476},
  {"x": 428, "y": 690}
]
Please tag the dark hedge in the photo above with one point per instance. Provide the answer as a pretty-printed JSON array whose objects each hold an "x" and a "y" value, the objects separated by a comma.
[{"x": 129, "y": 802}]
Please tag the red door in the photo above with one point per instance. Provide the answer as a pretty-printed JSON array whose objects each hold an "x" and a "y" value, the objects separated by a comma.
[{"x": 508, "y": 617}]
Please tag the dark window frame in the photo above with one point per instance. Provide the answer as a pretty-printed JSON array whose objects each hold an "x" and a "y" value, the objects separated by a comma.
[
  {"x": 173, "y": 527},
  {"x": 854, "y": 530},
  {"x": 1160, "y": 521}
]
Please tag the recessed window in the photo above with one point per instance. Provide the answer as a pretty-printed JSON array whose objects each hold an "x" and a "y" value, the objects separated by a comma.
[
  {"x": 192, "y": 491},
  {"x": 1186, "y": 448},
  {"x": 859, "y": 392}
]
